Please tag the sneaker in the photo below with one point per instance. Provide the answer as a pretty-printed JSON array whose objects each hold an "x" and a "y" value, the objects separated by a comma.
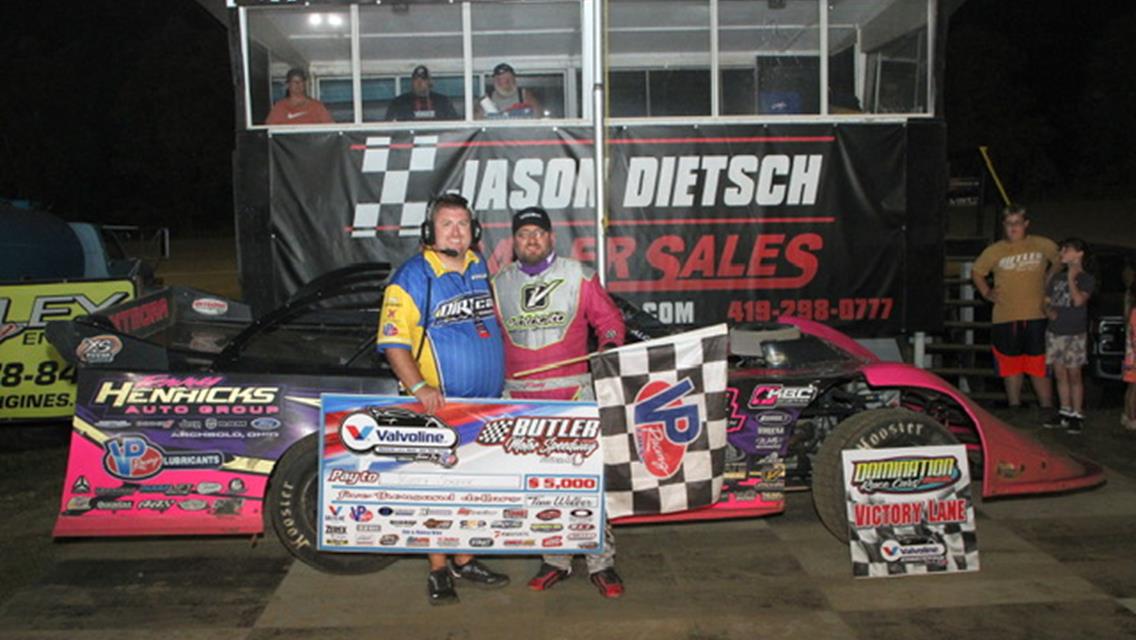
[
  {"x": 608, "y": 583},
  {"x": 478, "y": 574},
  {"x": 440, "y": 588},
  {"x": 546, "y": 576},
  {"x": 1055, "y": 419},
  {"x": 1075, "y": 423}
]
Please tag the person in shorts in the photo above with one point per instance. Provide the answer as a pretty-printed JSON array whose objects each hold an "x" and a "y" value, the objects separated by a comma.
[
  {"x": 1067, "y": 293},
  {"x": 1019, "y": 264}
]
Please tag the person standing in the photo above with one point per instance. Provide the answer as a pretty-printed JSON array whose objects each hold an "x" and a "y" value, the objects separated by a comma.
[
  {"x": 420, "y": 103},
  {"x": 1019, "y": 264},
  {"x": 1066, "y": 340},
  {"x": 296, "y": 107},
  {"x": 549, "y": 307},
  {"x": 439, "y": 332}
]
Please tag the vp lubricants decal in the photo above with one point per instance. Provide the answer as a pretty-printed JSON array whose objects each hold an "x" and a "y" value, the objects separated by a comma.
[
  {"x": 576, "y": 438},
  {"x": 133, "y": 457},
  {"x": 664, "y": 425},
  {"x": 915, "y": 474},
  {"x": 400, "y": 434}
]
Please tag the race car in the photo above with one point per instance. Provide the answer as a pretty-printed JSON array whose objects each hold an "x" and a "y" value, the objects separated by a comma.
[{"x": 195, "y": 418}]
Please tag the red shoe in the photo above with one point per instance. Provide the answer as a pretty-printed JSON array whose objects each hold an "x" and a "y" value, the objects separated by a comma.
[
  {"x": 608, "y": 583},
  {"x": 547, "y": 576}
]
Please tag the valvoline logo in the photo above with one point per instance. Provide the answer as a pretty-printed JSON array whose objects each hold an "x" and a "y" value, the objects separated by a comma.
[
  {"x": 132, "y": 458},
  {"x": 664, "y": 425}
]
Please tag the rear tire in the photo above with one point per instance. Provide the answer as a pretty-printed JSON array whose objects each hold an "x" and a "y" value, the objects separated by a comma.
[
  {"x": 293, "y": 506},
  {"x": 866, "y": 430}
]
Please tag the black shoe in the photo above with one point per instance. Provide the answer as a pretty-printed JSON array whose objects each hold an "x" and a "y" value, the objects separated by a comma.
[
  {"x": 1055, "y": 419},
  {"x": 608, "y": 583},
  {"x": 1075, "y": 422},
  {"x": 440, "y": 587},
  {"x": 478, "y": 574},
  {"x": 546, "y": 576}
]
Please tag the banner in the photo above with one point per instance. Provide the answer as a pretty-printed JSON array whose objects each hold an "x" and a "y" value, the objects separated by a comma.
[
  {"x": 663, "y": 410},
  {"x": 910, "y": 511},
  {"x": 738, "y": 223},
  {"x": 184, "y": 453},
  {"x": 35, "y": 381},
  {"x": 480, "y": 476}
]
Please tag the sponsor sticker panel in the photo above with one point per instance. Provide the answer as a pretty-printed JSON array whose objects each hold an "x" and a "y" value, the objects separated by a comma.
[
  {"x": 479, "y": 476},
  {"x": 35, "y": 381},
  {"x": 910, "y": 511}
]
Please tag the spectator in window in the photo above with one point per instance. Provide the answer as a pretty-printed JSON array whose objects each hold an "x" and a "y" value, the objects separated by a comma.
[
  {"x": 506, "y": 99},
  {"x": 297, "y": 107},
  {"x": 420, "y": 103}
]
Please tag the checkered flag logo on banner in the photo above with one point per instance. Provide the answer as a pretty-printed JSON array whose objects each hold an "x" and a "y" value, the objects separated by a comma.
[
  {"x": 398, "y": 164},
  {"x": 663, "y": 409}
]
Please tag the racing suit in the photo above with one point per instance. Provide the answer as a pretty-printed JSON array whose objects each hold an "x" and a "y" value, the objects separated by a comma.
[
  {"x": 546, "y": 311},
  {"x": 447, "y": 321}
]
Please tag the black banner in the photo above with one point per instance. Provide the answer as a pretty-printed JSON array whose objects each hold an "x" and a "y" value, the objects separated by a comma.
[{"x": 737, "y": 223}]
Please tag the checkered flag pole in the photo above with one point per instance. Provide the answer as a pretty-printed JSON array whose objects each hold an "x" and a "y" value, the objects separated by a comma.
[{"x": 663, "y": 410}]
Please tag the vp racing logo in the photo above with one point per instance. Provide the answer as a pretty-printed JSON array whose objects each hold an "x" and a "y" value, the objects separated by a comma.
[
  {"x": 133, "y": 457},
  {"x": 908, "y": 474},
  {"x": 664, "y": 425},
  {"x": 400, "y": 434}
]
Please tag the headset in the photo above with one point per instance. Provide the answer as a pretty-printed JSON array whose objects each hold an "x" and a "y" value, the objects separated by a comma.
[{"x": 448, "y": 200}]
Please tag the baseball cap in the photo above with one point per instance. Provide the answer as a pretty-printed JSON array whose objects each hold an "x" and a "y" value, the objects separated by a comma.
[
  {"x": 532, "y": 215},
  {"x": 504, "y": 67},
  {"x": 421, "y": 72}
]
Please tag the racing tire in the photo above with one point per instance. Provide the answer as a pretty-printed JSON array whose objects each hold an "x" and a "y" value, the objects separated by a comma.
[
  {"x": 293, "y": 507},
  {"x": 865, "y": 430}
]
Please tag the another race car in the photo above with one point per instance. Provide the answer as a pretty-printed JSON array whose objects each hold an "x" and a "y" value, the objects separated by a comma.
[{"x": 194, "y": 418}]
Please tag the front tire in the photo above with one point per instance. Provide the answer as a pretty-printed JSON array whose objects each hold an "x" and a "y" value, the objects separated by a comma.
[
  {"x": 293, "y": 506},
  {"x": 876, "y": 429}
]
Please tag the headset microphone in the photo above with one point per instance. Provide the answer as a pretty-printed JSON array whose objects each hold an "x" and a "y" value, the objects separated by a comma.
[{"x": 449, "y": 252}]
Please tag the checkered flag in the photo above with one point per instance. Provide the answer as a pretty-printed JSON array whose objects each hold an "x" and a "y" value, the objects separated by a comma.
[
  {"x": 397, "y": 164},
  {"x": 663, "y": 410},
  {"x": 494, "y": 433}
]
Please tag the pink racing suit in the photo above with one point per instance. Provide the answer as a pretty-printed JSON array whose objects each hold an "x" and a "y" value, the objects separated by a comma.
[{"x": 546, "y": 318}]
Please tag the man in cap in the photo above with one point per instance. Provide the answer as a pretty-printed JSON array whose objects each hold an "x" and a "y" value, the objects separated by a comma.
[
  {"x": 506, "y": 99},
  {"x": 420, "y": 103},
  {"x": 296, "y": 107},
  {"x": 549, "y": 307}
]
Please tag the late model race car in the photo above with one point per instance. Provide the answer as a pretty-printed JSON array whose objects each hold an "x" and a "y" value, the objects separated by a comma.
[{"x": 195, "y": 418}]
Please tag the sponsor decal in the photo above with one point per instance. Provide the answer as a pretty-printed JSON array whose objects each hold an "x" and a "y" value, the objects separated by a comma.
[
  {"x": 236, "y": 485},
  {"x": 361, "y": 513},
  {"x": 906, "y": 474},
  {"x": 581, "y": 526},
  {"x": 445, "y": 541},
  {"x": 481, "y": 542},
  {"x": 113, "y": 505},
  {"x": 141, "y": 316},
  {"x": 390, "y": 329},
  {"x": 153, "y": 504},
  {"x": 79, "y": 503},
  {"x": 417, "y": 541},
  {"x": 546, "y": 527},
  {"x": 519, "y": 542},
  {"x": 227, "y": 506},
  {"x": 507, "y": 524},
  {"x": 473, "y": 524},
  {"x": 577, "y": 438},
  {"x": 403, "y": 523},
  {"x": 438, "y": 524},
  {"x": 210, "y": 306},
  {"x": 548, "y": 514},
  {"x": 334, "y": 512},
  {"x": 562, "y": 501},
  {"x": 369, "y": 528},
  {"x": 581, "y": 513},
  {"x": 467, "y": 307},
  {"x": 432, "y": 511},
  {"x": 113, "y": 424},
  {"x": 335, "y": 529},
  {"x": 664, "y": 425},
  {"x": 774, "y": 418},
  {"x": 552, "y": 541},
  {"x": 265, "y": 424},
  {"x": 401, "y": 434},
  {"x": 389, "y": 540},
  {"x": 777, "y": 395},
  {"x": 81, "y": 485},
  {"x": 582, "y": 536},
  {"x": 465, "y": 511},
  {"x": 194, "y": 504},
  {"x": 516, "y": 513},
  {"x": 165, "y": 394},
  {"x": 100, "y": 349},
  {"x": 208, "y": 488},
  {"x": 115, "y": 492},
  {"x": 589, "y": 545},
  {"x": 923, "y": 553}
]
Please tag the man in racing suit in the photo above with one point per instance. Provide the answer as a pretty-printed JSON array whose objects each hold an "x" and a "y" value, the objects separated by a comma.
[
  {"x": 439, "y": 331},
  {"x": 547, "y": 305}
]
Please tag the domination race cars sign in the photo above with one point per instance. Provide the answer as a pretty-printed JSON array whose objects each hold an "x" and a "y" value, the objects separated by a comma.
[
  {"x": 910, "y": 511},
  {"x": 740, "y": 223},
  {"x": 480, "y": 476}
]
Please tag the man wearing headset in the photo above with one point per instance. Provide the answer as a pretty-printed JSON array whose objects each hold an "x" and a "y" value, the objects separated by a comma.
[
  {"x": 548, "y": 306},
  {"x": 439, "y": 332}
]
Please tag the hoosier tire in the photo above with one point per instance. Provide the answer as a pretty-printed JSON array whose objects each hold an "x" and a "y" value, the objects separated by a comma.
[
  {"x": 877, "y": 429},
  {"x": 292, "y": 504}
]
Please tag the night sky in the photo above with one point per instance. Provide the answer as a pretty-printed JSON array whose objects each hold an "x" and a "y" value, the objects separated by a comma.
[{"x": 122, "y": 111}]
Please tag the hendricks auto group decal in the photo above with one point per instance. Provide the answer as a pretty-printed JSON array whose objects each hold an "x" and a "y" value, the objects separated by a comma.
[
  {"x": 910, "y": 511},
  {"x": 484, "y": 476}
]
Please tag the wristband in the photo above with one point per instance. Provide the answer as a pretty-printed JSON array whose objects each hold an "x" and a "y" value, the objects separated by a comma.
[{"x": 416, "y": 386}]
